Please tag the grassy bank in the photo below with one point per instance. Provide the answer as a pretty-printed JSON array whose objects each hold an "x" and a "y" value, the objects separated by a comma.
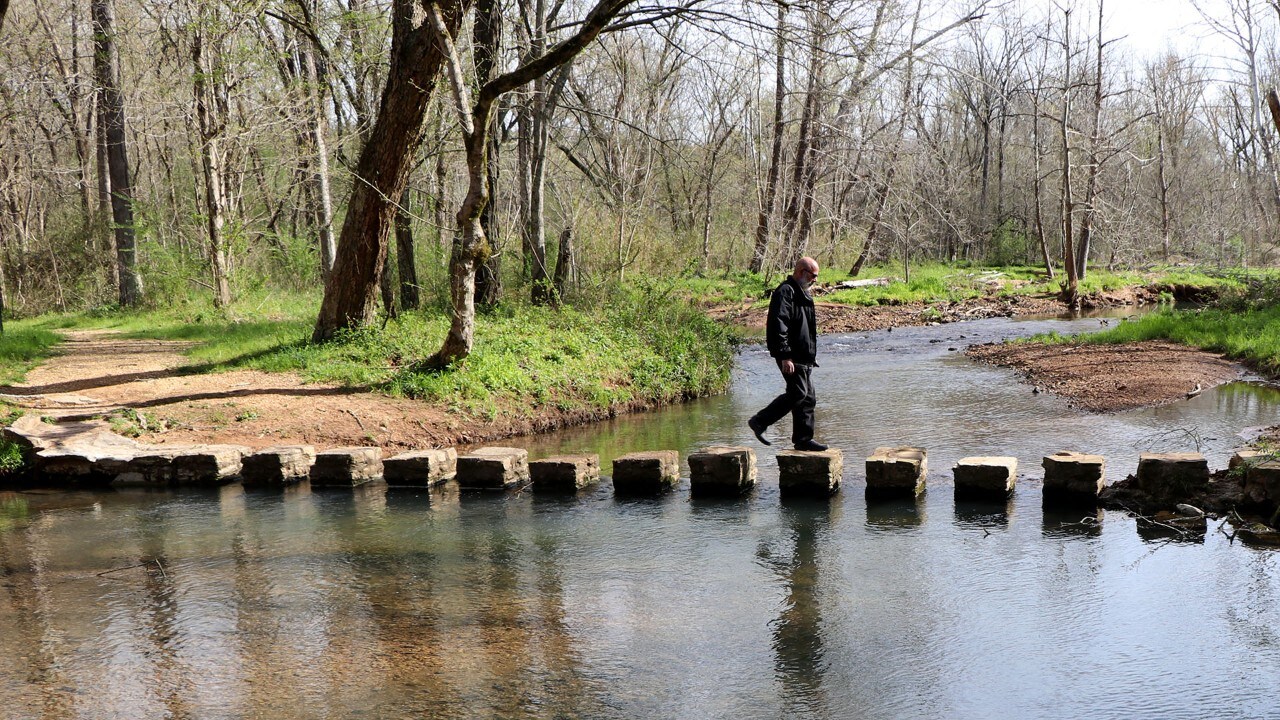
[
  {"x": 638, "y": 346},
  {"x": 24, "y": 344},
  {"x": 1251, "y": 336},
  {"x": 936, "y": 283}
]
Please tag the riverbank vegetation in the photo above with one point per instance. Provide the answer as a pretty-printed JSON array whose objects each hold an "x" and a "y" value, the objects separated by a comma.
[{"x": 1243, "y": 324}]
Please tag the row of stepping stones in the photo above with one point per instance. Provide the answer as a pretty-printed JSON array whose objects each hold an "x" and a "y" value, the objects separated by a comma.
[{"x": 719, "y": 470}]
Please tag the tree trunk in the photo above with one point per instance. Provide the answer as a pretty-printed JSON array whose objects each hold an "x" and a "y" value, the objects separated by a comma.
[
  {"x": 763, "y": 222},
  {"x": 487, "y": 34},
  {"x": 565, "y": 270},
  {"x": 384, "y": 165},
  {"x": 1095, "y": 164},
  {"x": 106, "y": 65},
  {"x": 211, "y": 118},
  {"x": 318, "y": 178},
  {"x": 410, "y": 298},
  {"x": 1071, "y": 290}
]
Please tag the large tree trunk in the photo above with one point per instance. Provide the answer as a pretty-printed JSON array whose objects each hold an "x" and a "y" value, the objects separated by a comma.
[
  {"x": 106, "y": 66},
  {"x": 1095, "y": 164},
  {"x": 1070, "y": 290},
  {"x": 350, "y": 293}
]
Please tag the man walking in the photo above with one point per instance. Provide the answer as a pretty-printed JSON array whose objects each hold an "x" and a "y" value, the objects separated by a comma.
[{"x": 791, "y": 335}]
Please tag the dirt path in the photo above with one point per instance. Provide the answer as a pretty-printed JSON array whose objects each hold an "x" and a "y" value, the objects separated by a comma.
[
  {"x": 98, "y": 372},
  {"x": 1109, "y": 378}
]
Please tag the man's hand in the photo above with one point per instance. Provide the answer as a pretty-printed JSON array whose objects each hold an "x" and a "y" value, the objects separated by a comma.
[{"x": 787, "y": 367}]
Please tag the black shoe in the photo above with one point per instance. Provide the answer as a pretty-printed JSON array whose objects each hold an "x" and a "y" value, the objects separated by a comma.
[
  {"x": 810, "y": 446},
  {"x": 758, "y": 429}
]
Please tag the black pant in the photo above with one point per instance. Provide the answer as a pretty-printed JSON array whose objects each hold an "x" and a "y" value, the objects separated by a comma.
[{"x": 799, "y": 400}]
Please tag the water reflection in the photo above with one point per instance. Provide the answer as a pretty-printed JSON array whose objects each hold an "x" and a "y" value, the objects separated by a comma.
[
  {"x": 797, "y": 633},
  {"x": 983, "y": 514},
  {"x": 1072, "y": 523},
  {"x": 895, "y": 515}
]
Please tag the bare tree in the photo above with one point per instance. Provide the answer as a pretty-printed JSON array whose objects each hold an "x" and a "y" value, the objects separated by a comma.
[{"x": 106, "y": 66}]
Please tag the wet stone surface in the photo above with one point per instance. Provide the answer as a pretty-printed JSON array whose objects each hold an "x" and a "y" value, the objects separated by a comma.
[
  {"x": 813, "y": 474},
  {"x": 646, "y": 473},
  {"x": 421, "y": 468},
  {"x": 346, "y": 467}
]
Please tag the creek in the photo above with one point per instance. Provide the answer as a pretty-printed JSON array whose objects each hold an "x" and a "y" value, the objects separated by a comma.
[{"x": 390, "y": 603}]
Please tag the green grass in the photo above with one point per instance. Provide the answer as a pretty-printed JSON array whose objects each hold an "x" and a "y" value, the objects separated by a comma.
[
  {"x": 643, "y": 345},
  {"x": 24, "y": 345},
  {"x": 939, "y": 282},
  {"x": 1252, "y": 336}
]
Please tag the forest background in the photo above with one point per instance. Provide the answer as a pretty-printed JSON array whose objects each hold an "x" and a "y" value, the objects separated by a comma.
[{"x": 192, "y": 154}]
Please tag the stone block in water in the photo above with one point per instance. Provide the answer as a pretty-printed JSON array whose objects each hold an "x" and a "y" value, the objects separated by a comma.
[
  {"x": 346, "y": 467},
  {"x": 564, "y": 473},
  {"x": 985, "y": 477},
  {"x": 278, "y": 465},
  {"x": 493, "y": 468},
  {"x": 896, "y": 471},
  {"x": 1073, "y": 476},
  {"x": 208, "y": 464},
  {"x": 646, "y": 473},
  {"x": 1172, "y": 477},
  {"x": 812, "y": 474},
  {"x": 1261, "y": 478},
  {"x": 722, "y": 470},
  {"x": 421, "y": 468}
]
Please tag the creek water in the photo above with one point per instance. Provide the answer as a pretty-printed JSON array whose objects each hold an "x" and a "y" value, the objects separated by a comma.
[{"x": 390, "y": 603}]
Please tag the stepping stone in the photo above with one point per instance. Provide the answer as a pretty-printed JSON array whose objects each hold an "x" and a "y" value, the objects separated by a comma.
[
  {"x": 493, "y": 468},
  {"x": 990, "y": 478},
  {"x": 1073, "y": 477},
  {"x": 146, "y": 467},
  {"x": 346, "y": 467},
  {"x": 722, "y": 470},
  {"x": 646, "y": 473},
  {"x": 1261, "y": 478},
  {"x": 565, "y": 473},
  {"x": 896, "y": 471},
  {"x": 208, "y": 464},
  {"x": 1172, "y": 477},
  {"x": 812, "y": 474},
  {"x": 421, "y": 468},
  {"x": 278, "y": 465}
]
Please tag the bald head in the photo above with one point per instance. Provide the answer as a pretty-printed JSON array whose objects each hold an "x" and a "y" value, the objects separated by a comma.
[{"x": 806, "y": 271}]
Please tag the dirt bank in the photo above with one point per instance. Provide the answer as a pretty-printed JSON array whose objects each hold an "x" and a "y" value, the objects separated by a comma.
[
  {"x": 97, "y": 372},
  {"x": 1109, "y": 378}
]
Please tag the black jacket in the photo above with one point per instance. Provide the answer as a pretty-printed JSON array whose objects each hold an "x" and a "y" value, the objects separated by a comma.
[{"x": 791, "y": 331}]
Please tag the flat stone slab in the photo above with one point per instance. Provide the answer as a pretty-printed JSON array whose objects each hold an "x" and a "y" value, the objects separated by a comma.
[
  {"x": 421, "y": 468},
  {"x": 1073, "y": 475},
  {"x": 897, "y": 471},
  {"x": 278, "y": 465},
  {"x": 346, "y": 466},
  {"x": 564, "y": 473},
  {"x": 722, "y": 470},
  {"x": 493, "y": 468},
  {"x": 646, "y": 473},
  {"x": 985, "y": 476},
  {"x": 1172, "y": 476},
  {"x": 813, "y": 474}
]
